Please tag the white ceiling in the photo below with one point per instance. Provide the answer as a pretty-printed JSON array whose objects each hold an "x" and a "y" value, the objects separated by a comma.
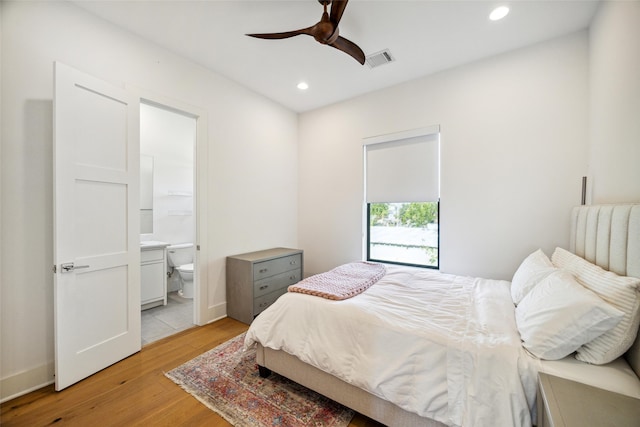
[{"x": 424, "y": 36}]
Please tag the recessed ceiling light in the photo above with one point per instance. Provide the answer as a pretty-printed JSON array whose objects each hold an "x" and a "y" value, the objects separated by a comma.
[
  {"x": 303, "y": 86},
  {"x": 499, "y": 13}
]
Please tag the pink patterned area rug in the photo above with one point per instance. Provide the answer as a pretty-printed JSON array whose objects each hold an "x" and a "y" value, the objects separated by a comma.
[{"x": 226, "y": 380}]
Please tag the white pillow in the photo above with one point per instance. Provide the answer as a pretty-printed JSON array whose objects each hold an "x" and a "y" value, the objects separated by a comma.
[
  {"x": 559, "y": 315},
  {"x": 533, "y": 269},
  {"x": 620, "y": 291}
]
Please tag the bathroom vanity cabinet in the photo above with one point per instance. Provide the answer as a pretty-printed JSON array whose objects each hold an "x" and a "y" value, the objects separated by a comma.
[
  {"x": 153, "y": 274},
  {"x": 255, "y": 280}
]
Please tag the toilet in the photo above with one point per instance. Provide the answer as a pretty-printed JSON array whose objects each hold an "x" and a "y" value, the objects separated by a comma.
[{"x": 180, "y": 259}]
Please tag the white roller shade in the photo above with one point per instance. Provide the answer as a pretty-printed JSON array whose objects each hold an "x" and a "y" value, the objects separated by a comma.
[{"x": 406, "y": 169}]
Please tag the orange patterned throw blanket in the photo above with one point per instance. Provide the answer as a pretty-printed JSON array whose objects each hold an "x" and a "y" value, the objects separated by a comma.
[{"x": 342, "y": 282}]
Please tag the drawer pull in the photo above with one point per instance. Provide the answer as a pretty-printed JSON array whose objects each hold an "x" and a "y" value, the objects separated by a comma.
[
  {"x": 264, "y": 270},
  {"x": 293, "y": 262},
  {"x": 292, "y": 278},
  {"x": 264, "y": 304},
  {"x": 263, "y": 287}
]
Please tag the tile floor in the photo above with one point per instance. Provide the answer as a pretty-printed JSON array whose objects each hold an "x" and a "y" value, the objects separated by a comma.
[{"x": 165, "y": 320}]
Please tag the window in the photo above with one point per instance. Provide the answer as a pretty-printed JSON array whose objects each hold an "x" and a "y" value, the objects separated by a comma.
[
  {"x": 402, "y": 186},
  {"x": 403, "y": 233}
]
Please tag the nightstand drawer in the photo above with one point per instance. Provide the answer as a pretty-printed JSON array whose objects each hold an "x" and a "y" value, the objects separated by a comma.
[
  {"x": 279, "y": 281},
  {"x": 276, "y": 266},
  {"x": 262, "y": 303}
]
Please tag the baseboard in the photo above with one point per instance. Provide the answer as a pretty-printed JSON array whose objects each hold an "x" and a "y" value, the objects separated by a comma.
[
  {"x": 26, "y": 382},
  {"x": 214, "y": 313}
]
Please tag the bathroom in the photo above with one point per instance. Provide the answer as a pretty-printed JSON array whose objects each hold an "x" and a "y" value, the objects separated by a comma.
[{"x": 167, "y": 221}]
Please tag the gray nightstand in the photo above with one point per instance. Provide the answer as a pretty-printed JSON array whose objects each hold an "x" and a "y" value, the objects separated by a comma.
[{"x": 566, "y": 403}]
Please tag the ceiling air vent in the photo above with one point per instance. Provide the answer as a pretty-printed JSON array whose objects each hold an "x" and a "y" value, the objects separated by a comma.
[{"x": 379, "y": 58}]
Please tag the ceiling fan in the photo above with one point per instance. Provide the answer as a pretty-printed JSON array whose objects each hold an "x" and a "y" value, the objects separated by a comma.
[{"x": 325, "y": 31}]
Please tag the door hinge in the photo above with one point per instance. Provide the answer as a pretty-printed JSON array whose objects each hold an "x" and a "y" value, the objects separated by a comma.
[{"x": 55, "y": 270}]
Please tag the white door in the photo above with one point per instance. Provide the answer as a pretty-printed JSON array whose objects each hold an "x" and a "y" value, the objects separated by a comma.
[{"x": 96, "y": 225}]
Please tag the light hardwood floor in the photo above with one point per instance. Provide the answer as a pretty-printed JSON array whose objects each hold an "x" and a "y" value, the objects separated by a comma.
[{"x": 134, "y": 391}]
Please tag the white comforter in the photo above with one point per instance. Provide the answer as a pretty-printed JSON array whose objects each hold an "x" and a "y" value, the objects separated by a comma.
[{"x": 445, "y": 347}]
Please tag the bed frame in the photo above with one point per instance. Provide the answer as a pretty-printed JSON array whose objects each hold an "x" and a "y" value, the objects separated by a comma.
[{"x": 606, "y": 235}]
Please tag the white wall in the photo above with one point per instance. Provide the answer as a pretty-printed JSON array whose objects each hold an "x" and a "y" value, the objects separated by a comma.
[
  {"x": 513, "y": 134},
  {"x": 252, "y": 153},
  {"x": 614, "y": 170}
]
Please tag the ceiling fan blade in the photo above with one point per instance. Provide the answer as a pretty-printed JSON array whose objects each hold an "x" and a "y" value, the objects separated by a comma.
[
  {"x": 284, "y": 35},
  {"x": 337, "y": 9},
  {"x": 350, "y": 48}
]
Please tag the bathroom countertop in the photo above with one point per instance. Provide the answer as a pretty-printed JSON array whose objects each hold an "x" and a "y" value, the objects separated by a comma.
[{"x": 153, "y": 244}]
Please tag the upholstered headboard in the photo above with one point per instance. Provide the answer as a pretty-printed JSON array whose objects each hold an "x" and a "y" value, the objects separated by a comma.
[{"x": 609, "y": 236}]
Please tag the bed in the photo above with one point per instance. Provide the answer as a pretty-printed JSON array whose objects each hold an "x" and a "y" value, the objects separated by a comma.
[{"x": 421, "y": 348}]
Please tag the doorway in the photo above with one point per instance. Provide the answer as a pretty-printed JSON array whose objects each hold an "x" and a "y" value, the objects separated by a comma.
[{"x": 169, "y": 215}]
